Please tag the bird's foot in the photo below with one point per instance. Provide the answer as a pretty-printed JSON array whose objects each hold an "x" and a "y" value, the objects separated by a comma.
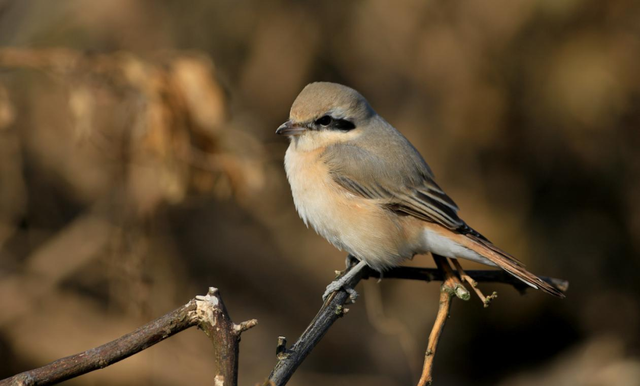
[
  {"x": 342, "y": 283},
  {"x": 337, "y": 285}
]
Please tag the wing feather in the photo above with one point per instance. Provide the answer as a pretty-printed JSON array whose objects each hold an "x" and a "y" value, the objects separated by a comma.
[
  {"x": 407, "y": 188},
  {"x": 404, "y": 185}
]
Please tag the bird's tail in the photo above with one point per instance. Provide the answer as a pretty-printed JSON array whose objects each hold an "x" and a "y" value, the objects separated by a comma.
[{"x": 505, "y": 261}]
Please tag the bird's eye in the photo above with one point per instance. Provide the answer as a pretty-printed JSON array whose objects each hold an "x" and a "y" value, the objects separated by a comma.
[
  {"x": 343, "y": 124},
  {"x": 324, "y": 120}
]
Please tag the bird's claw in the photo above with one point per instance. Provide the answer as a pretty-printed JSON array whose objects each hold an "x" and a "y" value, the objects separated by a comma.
[
  {"x": 342, "y": 283},
  {"x": 353, "y": 295},
  {"x": 337, "y": 286},
  {"x": 331, "y": 288}
]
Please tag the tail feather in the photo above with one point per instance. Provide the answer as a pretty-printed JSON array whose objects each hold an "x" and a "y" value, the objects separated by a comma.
[{"x": 507, "y": 262}]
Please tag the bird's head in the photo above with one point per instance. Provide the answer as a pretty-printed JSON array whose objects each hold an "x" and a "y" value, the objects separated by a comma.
[{"x": 326, "y": 113}]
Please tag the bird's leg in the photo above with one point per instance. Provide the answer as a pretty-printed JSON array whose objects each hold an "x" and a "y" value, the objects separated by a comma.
[
  {"x": 337, "y": 284},
  {"x": 350, "y": 261},
  {"x": 474, "y": 284}
]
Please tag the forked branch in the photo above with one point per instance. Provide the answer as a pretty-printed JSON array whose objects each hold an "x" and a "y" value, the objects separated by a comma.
[{"x": 207, "y": 312}]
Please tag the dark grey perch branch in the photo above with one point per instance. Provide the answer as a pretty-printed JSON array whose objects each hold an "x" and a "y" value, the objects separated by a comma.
[
  {"x": 290, "y": 359},
  {"x": 109, "y": 353},
  {"x": 333, "y": 308},
  {"x": 203, "y": 311},
  {"x": 481, "y": 276}
]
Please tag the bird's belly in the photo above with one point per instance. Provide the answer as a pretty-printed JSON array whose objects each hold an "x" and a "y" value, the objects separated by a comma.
[{"x": 351, "y": 223}]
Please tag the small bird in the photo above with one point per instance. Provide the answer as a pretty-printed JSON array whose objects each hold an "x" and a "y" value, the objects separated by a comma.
[{"x": 362, "y": 186}]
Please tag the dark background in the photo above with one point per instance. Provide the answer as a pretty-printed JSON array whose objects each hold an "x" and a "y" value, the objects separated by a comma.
[{"x": 139, "y": 166}]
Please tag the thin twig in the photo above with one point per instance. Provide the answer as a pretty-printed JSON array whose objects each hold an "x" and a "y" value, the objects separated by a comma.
[
  {"x": 474, "y": 284},
  {"x": 204, "y": 312},
  {"x": 451, "y": 279},
  {"x": 444, "y": 308},
  {"x": 448, "y": 289}
]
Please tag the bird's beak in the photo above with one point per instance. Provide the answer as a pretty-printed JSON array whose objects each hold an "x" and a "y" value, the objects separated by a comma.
[{"x": 290, "y": 129}]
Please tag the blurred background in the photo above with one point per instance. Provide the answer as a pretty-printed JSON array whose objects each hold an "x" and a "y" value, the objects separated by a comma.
[{"x": 139, "y": 165}]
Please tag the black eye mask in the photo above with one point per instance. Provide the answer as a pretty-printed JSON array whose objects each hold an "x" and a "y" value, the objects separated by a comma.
[{"x": 328, "y": 122}]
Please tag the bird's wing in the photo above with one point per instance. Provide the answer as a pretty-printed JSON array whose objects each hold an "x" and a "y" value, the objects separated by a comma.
[{"x": 404, "y": 185}]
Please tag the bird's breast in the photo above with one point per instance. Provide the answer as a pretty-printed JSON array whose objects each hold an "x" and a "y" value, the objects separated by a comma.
[
  {"x": 313, "y": 190},
  {"x": 357, "y": 225}
]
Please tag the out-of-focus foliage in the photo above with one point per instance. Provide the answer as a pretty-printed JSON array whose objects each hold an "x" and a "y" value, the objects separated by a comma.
[{"x": 139, "y": 165}]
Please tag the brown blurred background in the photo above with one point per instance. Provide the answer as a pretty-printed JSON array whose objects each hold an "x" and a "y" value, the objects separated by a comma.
[{"x": 139, "y": 165}]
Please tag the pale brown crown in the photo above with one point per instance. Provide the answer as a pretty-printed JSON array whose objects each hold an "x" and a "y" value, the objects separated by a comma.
[{"x": 324, "y": 98}]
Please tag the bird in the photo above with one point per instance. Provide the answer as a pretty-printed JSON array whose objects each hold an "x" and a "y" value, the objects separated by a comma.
[{"x": 366, "y": 189}]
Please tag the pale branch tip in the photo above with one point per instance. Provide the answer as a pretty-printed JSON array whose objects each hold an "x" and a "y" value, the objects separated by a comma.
[
  {"x": 281, "y": 348},
  {"x": 244, "y": 326}
]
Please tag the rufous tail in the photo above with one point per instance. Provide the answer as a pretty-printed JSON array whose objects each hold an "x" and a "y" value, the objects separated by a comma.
[{"x": 505, "y": 261}]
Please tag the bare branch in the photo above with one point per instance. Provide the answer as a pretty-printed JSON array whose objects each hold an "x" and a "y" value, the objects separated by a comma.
[
  {"x": 486, "y": 300},
  {"x": 205, "y": 312},
  {"x": 480, "y": 276},
  {"x": 447, "y": 291},
  {"x": 333, "y": 308},
  {"x": 224, "y": 335},
  {"x": 209, "y": 313},
  {"x": 109, "y": 353}
]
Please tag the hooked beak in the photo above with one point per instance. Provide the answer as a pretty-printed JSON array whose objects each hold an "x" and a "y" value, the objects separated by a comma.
[{"x": 290, "y": 129}]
